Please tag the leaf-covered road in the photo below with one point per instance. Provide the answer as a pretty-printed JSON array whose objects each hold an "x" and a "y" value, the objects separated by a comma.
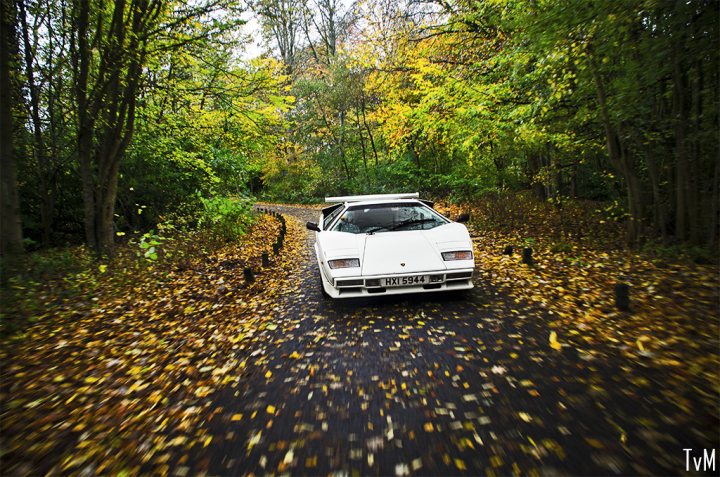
[
  {"x": 287, "y": 381},
  {"x": 438, "y": 384}
]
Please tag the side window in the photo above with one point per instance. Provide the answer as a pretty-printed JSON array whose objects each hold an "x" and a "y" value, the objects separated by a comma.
[{"x": 329, "y": 219}]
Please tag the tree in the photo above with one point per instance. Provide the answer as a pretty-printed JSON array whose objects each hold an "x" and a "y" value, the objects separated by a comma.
[
  {"x": 280, "y": 20},
  {"x": 109, "y": 51},
  {"x": 107, "y": 81},
  {"x": 11, "y": 247}
]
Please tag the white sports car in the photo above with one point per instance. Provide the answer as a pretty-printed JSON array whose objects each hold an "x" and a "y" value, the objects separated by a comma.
[{"x": 388, "y": 244}]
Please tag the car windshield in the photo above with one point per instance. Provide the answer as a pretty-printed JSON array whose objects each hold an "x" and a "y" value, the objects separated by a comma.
[{"x": 378, "y": 218}]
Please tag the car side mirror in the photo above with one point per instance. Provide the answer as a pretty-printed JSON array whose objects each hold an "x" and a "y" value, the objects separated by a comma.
[
  {"x": 312, "y": 226},
  {"x": 463, "y": 218}
]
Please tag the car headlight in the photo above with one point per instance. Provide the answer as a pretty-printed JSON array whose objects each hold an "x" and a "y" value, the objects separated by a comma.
[
  {"x": 344, "y": 263},
  {"x": 459, "y": 255}
]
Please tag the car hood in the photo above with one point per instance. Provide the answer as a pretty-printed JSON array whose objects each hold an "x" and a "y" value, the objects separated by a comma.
[{"x": 399, "y": 252}]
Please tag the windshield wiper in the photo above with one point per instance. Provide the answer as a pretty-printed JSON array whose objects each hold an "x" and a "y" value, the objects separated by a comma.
[
  {"x": 411, "y": 222},
  {"x": 372, "y": 231},
  {"x": 401, "y": 224}
]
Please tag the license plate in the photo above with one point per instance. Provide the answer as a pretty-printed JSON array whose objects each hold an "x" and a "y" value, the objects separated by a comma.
[{"x": 405, "y": 281}]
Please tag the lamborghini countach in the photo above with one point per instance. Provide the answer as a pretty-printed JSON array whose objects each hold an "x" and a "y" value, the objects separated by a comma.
[{"x": 389, "y": 244}]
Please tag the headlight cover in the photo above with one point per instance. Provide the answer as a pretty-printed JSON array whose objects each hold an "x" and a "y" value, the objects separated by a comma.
[
  {"x": 344, "y": 263},
  {"x": 459, "y": 255}
]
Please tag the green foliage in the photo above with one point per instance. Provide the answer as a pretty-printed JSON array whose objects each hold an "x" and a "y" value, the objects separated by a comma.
[
  {"x": 52, "y": 263},
  {"x": 151, "y": 244},
  {"x": 614, "y": 211},
  {"x": 71, "y": 266},
  {"x": 561, "y": 247},
  {"x": 165, "y": 170},
  {"x": 201, "y": 120},
  {"x": 227, "y": 217},
  {"x": 664, "y": 253},
  {"x": 605, "y": 100},
  {"x": 602, "y": 100}
]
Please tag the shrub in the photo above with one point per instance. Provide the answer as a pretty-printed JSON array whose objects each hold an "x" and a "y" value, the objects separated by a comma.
[{"x": 228, "y": 217}]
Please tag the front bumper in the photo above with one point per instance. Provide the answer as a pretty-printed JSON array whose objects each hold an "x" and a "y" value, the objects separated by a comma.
[{"x": 362, "y": 286}]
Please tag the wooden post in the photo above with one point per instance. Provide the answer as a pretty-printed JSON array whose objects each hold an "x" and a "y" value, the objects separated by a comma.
[
  {"x": 249, "y": 275},
  {"x": 265, "y": 259},
  {"x": 275, "y": 248},
  {"x": 508, "y": 250},
  {"x": 622, "y": 296},
  {"x": 527, "y": 256}
]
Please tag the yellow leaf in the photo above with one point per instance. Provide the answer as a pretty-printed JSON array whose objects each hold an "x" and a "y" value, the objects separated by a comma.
[
  {"x": 270, "y": 409},
  {"x": 178, "y": 441},
  {"x": 268, "y": 375},
  {"x": 595, "y": 443},
  {"x": 554, "y": 343},
  {"x": 236, "y": 417}
]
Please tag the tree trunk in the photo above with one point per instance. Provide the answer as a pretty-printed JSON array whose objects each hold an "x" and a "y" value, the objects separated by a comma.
[
  {"x": 534, "y": 163},
  {"x": 11, "y": 246},
  {"x": 106, "y": 108},
  {"x": 362, "y": 138},
  {"x": 43, "y": 166},
  {"x": 712, "y": 235},
  {"x": 81, "y": 62},
  {"x": 695, "y": 190},
  {"x": 681, "y": 157},
  {"x": 370, "y": 134},
  {"x": 634, "y": 198},
  {"x": 414, "y": 150},
  {"x": 659, "y": 218},
  {"x": 617, "y": 155}
]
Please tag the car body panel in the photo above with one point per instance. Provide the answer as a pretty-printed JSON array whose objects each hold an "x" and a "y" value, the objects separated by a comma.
[{"x": 400, "y": 252}]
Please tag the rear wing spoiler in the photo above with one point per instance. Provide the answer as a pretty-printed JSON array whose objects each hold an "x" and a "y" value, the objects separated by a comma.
[{"x": 359, "y": 198}]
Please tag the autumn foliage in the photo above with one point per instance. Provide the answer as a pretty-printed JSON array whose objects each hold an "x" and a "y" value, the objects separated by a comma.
[
  {"x": 578, "y": 259},
  {"x": 95, "y": 365}
]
